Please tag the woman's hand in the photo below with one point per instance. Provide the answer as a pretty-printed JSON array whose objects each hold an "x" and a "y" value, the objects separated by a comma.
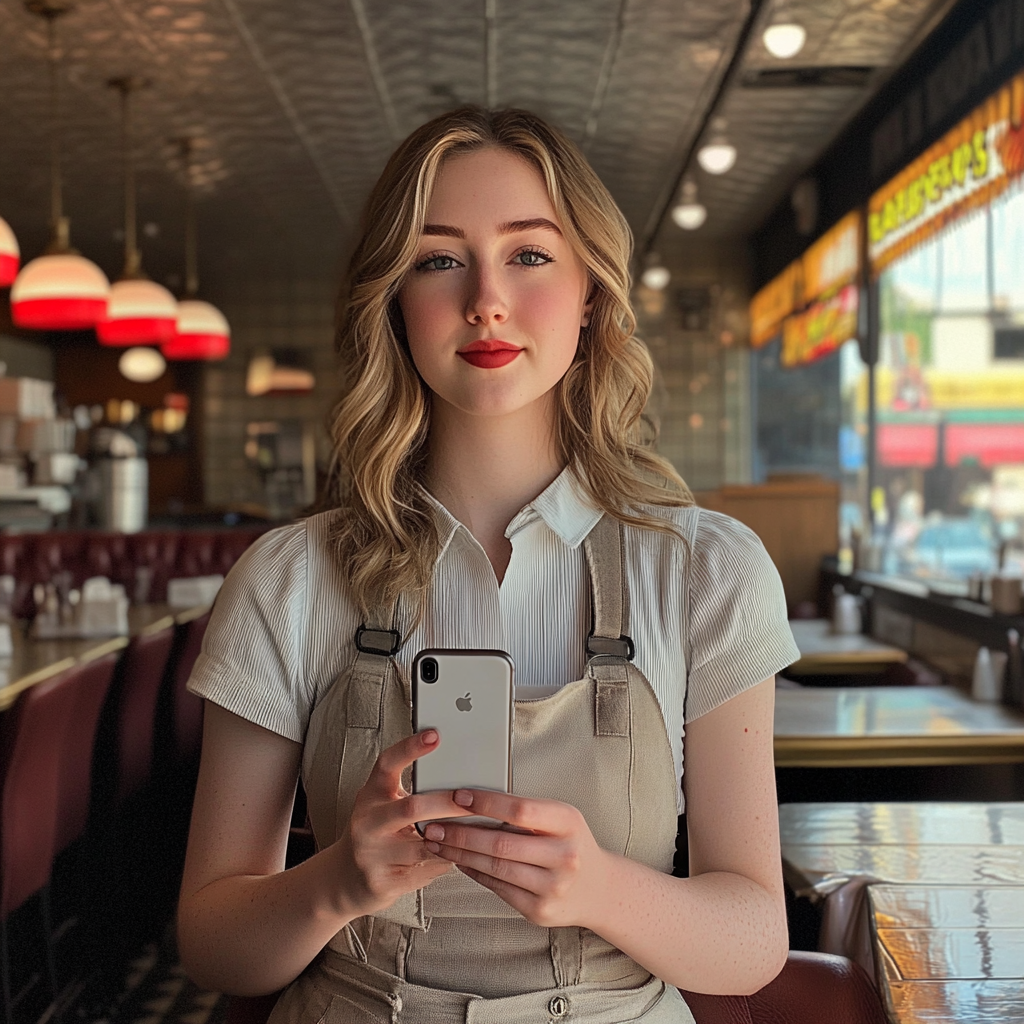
[
  {"x": 382, "y": 855},
  {"x": 555, "y": 876}
]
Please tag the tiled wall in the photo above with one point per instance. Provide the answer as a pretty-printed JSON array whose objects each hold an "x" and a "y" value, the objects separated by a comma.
[
  {"x": 696, "y": 329},
  {"x": 701, "y": 397},
  {"x": 265, "y": 315}
]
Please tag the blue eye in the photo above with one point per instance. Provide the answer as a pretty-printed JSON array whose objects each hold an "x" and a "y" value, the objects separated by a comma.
[
  {"x": 533, "y": 258},
  {"x": 438, "y": 262}
]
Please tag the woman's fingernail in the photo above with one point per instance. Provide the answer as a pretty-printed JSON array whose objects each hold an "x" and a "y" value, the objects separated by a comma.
[
  {"x": 430, "y": 737},
  {"x": 434, "y": 832},
  {"x": 463, "y": 798},
  {"x": 433, "y": 847}
]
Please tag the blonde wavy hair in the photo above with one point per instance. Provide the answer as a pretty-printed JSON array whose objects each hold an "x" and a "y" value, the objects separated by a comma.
[{"x": 384, "y": 532}]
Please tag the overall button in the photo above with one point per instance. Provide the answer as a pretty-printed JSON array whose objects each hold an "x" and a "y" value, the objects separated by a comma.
[{"x": 558, "y": 1006}]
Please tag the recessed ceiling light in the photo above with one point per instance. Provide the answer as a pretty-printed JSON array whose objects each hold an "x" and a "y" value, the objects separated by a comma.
[{"x": 784, "y": 39}]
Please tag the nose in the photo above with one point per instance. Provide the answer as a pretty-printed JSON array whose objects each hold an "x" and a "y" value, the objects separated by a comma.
[{"x": 486, "y": 302}]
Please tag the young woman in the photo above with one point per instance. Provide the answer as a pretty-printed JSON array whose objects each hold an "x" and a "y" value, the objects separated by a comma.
[{"x": 497, "y": 491}]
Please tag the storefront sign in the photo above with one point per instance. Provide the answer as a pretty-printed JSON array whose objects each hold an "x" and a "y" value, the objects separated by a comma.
[
  {"x": 772, "y": 304},
  {"x": 833, "y": 260},
  {"x": 828, "y": 265},
  {"x": 820, "y": 329},
  {"x": 963, "y": 171},
  {"x": 988, "y": 444},
  {"x": 902, "y": 445}
]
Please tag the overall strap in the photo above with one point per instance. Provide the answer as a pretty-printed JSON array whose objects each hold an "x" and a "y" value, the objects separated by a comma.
[
  {"x": 376, "y": 645},
  {"x": 609, "y": 648}
]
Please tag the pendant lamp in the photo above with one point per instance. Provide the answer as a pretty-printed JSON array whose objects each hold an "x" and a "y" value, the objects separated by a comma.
[
  {"x": 141, "y": 312},
  {"x": 203, "y": 332},
  {"x": 10, "y": 255},
  {"x": 61, "y": 290}
]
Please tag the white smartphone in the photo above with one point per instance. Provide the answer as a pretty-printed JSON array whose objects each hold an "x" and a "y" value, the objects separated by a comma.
[{"x": 468, "y": 696}]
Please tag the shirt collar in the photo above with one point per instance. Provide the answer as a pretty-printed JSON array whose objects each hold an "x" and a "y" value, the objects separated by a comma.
[{"x": 563, "y": 506}]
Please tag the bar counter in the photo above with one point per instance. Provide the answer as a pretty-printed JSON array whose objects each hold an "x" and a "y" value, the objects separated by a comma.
[{"x": 33, "y": 661}]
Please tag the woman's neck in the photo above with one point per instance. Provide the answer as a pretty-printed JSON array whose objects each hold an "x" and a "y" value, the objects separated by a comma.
[{"x": 484, "y": 470}]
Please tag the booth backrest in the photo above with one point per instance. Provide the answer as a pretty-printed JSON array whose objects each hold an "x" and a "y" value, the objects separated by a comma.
[{"x": 33, "y": 558}]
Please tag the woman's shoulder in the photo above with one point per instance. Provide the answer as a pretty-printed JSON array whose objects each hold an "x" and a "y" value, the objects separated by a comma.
[{"x": 704, "y": 532}]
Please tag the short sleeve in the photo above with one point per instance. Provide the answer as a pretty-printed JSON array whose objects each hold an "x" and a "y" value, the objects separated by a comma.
[
  {"x": 252, "y": 654},
  {"x": 738, "y": 634}
]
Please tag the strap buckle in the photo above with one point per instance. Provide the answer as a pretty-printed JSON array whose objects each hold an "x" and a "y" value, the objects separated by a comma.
[
  {"x": 598, "y": 646},
  {"x": 378, "y": 641}
]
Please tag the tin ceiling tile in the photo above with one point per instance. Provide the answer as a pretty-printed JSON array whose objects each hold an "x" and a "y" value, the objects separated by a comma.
[{"x": 296, "y": 104}]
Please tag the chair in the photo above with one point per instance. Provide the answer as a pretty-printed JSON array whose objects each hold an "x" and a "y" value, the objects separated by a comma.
[
  {"x": 187, "y": 708},
  {"x": 75, "y": 754},
  {"x": 813, "y": 988},
  {"x": 134, "y": 695},
  {"x": 31, "y": 735}
]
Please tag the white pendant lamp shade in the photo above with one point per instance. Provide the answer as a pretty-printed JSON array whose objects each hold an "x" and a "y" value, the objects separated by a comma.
[
  {"x": 142, "y": 365},
  {"x": 689, "y": 213},
  {"x": 717, "y": 157},
  {"x": 59, "y": 293},
  {"x": 784, "y": 39},
  {"x": 140, "y": 313},
  {"x": 10, "y": 255},
  {"x": 203, "y": 333}
]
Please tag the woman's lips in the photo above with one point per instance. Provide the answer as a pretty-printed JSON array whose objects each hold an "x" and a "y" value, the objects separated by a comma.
[{"x": 488, "y": 355}]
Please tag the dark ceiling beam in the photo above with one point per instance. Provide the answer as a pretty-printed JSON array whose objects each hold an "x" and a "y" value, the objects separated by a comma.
[{"x": 738, "y": 53}]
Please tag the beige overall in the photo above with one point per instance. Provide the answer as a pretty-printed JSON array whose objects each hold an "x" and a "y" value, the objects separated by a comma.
[{"x": 453, "y": 952}]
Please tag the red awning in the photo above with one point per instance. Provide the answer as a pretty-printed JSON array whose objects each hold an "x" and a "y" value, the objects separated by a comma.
[
  {"x": 907, "y": 444},
  {"x": 991, "y": 444}
]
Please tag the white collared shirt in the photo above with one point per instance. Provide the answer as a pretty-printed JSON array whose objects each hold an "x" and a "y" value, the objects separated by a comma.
[{"x": 283, "y": 625}]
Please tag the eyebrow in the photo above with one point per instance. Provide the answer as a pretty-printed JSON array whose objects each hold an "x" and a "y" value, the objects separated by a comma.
[{"x": 510, "y": 227}]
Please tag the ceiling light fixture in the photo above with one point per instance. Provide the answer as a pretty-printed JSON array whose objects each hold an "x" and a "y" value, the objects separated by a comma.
[
  {"x": 202, "y": 330},
  {"x": 142, "y": 365},
  {"x": 61, "y": 290},
  {"x": 655, "y": 275},
  {"x": 10, "y": 255},
  {"x": 717, "y": 155},
  {"x": 785, "y": 40},
  {"x": 141, "y": 312},
  {"x": 784, "y": 37},
  {"x": 689, "y": 213}
]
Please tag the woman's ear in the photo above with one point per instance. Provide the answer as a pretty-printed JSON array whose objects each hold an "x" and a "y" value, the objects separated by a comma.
[{"x": 588, "y": 306}]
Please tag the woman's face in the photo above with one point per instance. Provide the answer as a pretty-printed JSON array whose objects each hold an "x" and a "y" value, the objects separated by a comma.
[{"x": 495, "y": 299}]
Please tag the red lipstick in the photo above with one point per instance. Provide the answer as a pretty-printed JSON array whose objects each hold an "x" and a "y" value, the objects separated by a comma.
[{"x": 489, "y": 354}]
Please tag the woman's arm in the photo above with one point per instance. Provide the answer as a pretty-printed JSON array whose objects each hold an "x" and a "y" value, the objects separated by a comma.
[
  {"x": 723, "y": 929},
  {"x": 247, "y": 926}
]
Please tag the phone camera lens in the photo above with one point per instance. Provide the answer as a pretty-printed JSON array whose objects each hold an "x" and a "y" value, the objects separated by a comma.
[{"x": 428, "y": 670}]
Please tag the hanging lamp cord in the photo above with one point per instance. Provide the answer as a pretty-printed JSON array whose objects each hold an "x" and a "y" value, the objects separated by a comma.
[
  {"x": 59, "y": 227},
  {"x": 191, "y": 239},
  {"x": 132, "y": 257}
]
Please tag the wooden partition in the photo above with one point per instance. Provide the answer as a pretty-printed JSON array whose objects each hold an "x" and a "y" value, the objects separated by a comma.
[{"x": 797, "y": 519}]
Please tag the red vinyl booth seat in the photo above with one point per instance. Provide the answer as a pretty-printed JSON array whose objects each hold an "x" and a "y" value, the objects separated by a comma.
[
  {"x": 169, "y": 554},
  {"x": 813, "y": 988}
]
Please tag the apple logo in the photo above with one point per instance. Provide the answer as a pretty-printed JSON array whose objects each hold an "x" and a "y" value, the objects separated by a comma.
[{"x": 464, "y": 703}]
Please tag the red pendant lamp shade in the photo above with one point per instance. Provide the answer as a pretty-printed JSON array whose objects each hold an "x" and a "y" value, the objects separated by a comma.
[
  {"x": 59, "y": 293},
  {"x": 203, "y": 333},
  {"x": 10, "y": 255},
  {"x": 140, "y": 313}
]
